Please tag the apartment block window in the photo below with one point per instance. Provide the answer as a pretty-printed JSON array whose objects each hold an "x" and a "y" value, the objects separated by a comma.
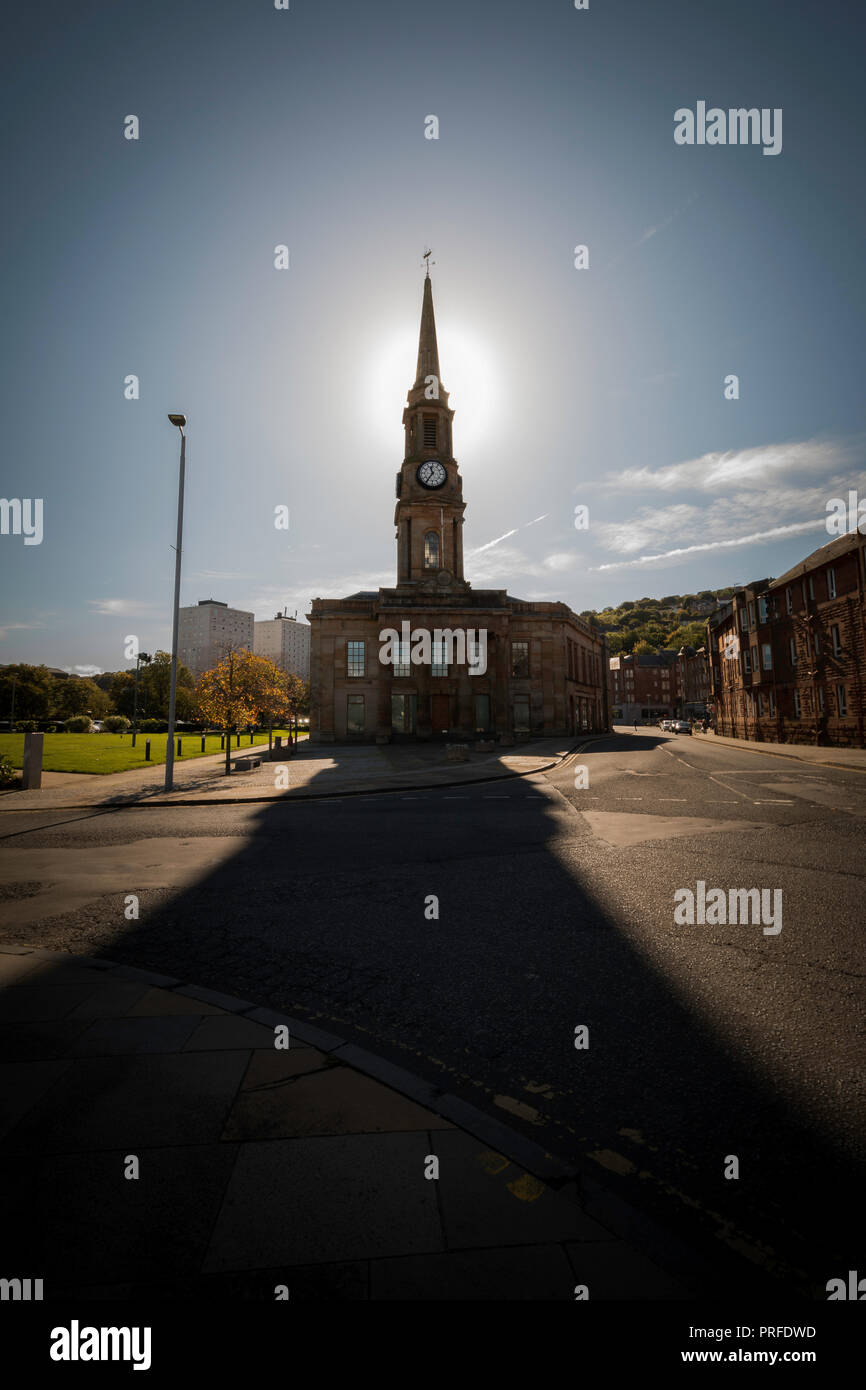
[
  {"x": 836, "y": 640},
  {"x": 429, "y": 431},
  {"x": 811, "y": 586},
  {"x": 755, "y": 666},
  {"x": 798, "y": 706},
  {"x": 793, "y": 650},
  {"x": 520, "y": 659},
  {"x": 789, "y": 601},
  {"x": 766, "y": 656},
  {"x": 354, "y": 714},
  {"x": 762, "y": 609},
  {"x": 747, "y": 662},
  {"x": 751, "y": 615},
  {"x": 771, "y": 702},
  {"x": 841, "y": 700},
  {"x": 744, "y": 620},
  {"x": 831, "y": 583},
  {"x": 355, "y": 661},
  {"x": 760, "y": 704},
  {"x": 821, "y": 699}
]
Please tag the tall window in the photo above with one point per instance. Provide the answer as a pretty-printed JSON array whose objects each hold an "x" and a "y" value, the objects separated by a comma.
[
  {"x": 793, "y": 649},
  {"x": 836, "y": 640},
  {"x": 355, "y": 660},
  {"x": 831, "y": 583},
  {"x": 762, "y": 609},
  {"x": 429, "y": 431},
  {"x": 766, "y": 656},
  {"x": 431, "y": 550},
  {"x": 354, "y": 714},
  {"x": 520, "y": 659},
  {"x": 841, "y": 699},
  {"x": 821, "y": 698},
  {"x": 521, "y": 714},
  {"x": 439, "y": 663},
  {"x": 789, "y": 601},
  {"x": 798, "y": 707},
  {"x": 403, "y": 664},
  {"x": 404, "y": 710},
  {"x": 482, "y": 714},
  {"x": 811, "y": 586}
]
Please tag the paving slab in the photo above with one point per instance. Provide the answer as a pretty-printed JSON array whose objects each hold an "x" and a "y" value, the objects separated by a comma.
[
  {"x": 487, "y": 1200},
  {"x": 374, "y": 1201},
  {"x": 21, "y": 1086},
  {"x": 80, "y": 1221},
  {"x": 108, "y": 1037},
  {"x": 334, "y": 1101},
  {"x": 613, "y": 1270},
  {"x": 134, "y": 1100}
]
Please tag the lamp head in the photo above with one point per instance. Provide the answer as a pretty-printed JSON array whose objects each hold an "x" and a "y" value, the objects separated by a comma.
[{"x": 179, "y": 420}]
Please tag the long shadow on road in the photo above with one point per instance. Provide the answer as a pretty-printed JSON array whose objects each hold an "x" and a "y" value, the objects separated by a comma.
[{"x": 325, "y": 912}]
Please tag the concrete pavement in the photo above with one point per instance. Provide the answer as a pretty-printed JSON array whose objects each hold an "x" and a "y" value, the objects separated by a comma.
[
  {"x": 161, "y": 1142},
  {"x": 310, "y": 771}
]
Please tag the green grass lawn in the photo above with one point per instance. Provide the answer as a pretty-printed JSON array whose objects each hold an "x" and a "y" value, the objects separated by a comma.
[{"x": 114, "y": 752}]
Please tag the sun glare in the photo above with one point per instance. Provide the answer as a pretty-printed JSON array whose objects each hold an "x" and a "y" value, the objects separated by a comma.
[{"x": 468, "y": 375}]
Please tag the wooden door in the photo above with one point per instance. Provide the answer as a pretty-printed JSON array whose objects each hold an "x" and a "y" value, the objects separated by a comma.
[{"x": 441, "y": 714}]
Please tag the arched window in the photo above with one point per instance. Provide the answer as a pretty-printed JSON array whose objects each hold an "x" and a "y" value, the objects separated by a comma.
[{"x": 431, "y": 550}]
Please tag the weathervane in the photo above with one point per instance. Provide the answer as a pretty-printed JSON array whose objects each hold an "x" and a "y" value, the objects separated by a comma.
[{"x": 427, "y": 262}]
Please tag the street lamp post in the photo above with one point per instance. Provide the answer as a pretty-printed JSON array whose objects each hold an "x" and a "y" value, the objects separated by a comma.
[{"x": 180, "y": 422}]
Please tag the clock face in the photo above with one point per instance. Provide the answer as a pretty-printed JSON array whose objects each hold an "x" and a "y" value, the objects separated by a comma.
[{"x": 431, "y": 474}]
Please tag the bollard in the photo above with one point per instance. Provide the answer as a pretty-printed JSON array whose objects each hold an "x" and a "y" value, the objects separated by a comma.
[
  {"x": 251, "y": 735},
  {"x": 179, "y": 747},
  {"x": 147, "y": 750},
  {"x": 222, "y": 741},
  {"x": 31, "y": 772},
  {"x": 238, "y": 736},
  {"x": 133, "y": 737},
  {"x": 202, "y": 743}
]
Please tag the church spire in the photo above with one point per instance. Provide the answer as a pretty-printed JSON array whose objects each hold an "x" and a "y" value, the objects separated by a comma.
[{"x": 428, "y": 351}]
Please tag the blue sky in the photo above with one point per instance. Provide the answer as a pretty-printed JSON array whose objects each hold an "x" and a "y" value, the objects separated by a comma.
[{"x": 602, "y": 386}]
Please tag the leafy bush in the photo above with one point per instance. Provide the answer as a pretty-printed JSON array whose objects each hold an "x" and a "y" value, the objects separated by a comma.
[
  {"x": 115, "y": 723},
  {"x": 79, "y": 724},
  {"x": 153, "y": 726},
  {"x": 8, "y": 773},
  {"x": 25, "y": 726}
]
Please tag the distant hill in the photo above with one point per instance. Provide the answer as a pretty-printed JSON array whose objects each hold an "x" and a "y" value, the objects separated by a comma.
[{"x": 677, "y": 620}]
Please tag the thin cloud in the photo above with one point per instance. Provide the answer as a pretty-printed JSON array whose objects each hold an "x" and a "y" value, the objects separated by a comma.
[{"x": 777, "y": 533}]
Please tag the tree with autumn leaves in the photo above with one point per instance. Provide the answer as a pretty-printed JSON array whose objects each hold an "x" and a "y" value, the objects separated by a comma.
[{"x": 246, "y": 689}]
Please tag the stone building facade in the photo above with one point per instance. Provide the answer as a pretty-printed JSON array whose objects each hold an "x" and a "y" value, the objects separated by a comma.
[
  {"x": 492, "y": 666},
  {"x": 788, "y": 656}
]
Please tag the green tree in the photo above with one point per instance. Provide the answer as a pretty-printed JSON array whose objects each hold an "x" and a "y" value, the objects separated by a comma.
[
  {"x": 34, "y": 691},
  {"x": 80, "y": 695},
  {"x": 154, "y": 684}
]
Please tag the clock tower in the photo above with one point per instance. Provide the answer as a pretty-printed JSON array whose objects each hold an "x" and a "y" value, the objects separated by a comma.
[{"x": 430, "y": 506}]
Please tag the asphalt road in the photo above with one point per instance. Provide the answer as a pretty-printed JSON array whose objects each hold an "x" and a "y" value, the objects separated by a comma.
[{"x": 555, "y": 911}]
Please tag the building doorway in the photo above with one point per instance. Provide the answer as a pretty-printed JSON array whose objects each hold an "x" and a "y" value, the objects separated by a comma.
[{"x": 440, "y": 713}]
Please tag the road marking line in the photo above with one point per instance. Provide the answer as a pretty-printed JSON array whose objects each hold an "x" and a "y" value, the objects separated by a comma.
[{"x": 774, "y": 802}]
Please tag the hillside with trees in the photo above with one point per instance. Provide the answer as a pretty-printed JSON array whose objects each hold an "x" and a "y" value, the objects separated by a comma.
[{"x": 648, "y": 624}]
